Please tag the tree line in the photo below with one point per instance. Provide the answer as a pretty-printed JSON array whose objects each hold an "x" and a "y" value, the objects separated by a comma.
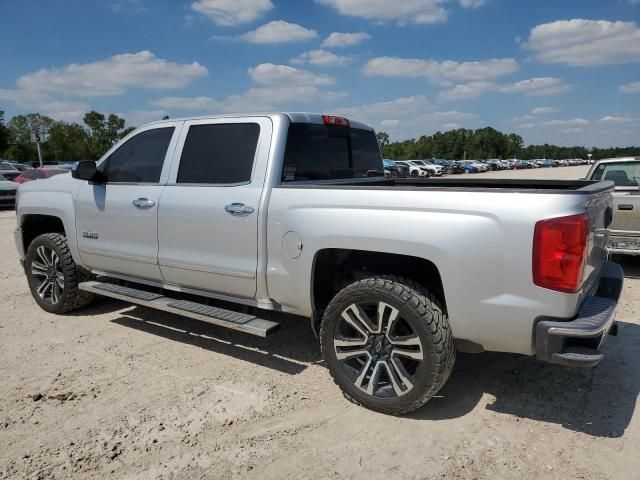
[
  {"x": 68, "y": 141},
  {"x": 64, "y": 141},
  {"x": 485, "y": 143}
]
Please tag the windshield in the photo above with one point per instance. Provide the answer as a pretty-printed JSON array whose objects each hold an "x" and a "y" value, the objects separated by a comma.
[
  {"x": 6, "y": 166},
  {"x": 623, "y": 174},
  {"x": 418, "y": 162},
  {"x": 321, "y": 152}
]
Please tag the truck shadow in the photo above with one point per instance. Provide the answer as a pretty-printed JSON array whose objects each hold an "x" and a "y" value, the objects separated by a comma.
[
  {"x": 599, "y": 401},
  {"x": 290, "y": 350}
]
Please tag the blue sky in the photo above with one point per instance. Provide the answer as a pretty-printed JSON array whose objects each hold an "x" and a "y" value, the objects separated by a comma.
[{"x": 564, "y": 72}]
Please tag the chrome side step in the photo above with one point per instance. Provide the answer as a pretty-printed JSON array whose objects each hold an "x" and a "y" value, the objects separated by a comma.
[{"x": 217, "y": 316}]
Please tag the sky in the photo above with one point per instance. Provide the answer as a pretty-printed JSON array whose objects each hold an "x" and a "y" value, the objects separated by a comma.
[{"x": 562, "y": 72}]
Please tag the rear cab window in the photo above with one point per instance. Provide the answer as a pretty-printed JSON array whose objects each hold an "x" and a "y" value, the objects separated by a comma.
[
  {"x": 330, "y": 152},
  {"x": 623, "y": 174}
]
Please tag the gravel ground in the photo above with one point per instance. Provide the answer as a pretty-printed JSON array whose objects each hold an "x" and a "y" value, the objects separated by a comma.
[{"x": 124, "y": 392}]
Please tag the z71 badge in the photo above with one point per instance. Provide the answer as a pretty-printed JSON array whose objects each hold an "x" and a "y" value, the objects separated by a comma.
[{"x": 90, "y": 235}]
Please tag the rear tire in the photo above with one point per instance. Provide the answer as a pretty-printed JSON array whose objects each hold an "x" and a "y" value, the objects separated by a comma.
[
  {"x": 387, "y": 343},
  {"x": 53, "y": 275}
]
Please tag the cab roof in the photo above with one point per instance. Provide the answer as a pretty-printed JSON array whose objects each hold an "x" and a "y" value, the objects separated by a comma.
[{"x": 294, "y": 117}]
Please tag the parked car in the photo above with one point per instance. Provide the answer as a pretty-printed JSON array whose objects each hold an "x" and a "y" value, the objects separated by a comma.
[
  {"x": 8, "y": 171},
  {"x": 436, "y": 170},
  {"x": 624, "y": 231},
  {"x": 7, "y": 192},
  {"x": 390, "y": 168},
  {"x": 415, "y": 169},
  {"x": 39, "y": 174},
  {"x": 403, "y": 170},
  {"x": 448, "y": 166},
  {"x": 21, "y": 167},
  {"x": 469, "y": 166},
  {"x": 383, "y": 272}
]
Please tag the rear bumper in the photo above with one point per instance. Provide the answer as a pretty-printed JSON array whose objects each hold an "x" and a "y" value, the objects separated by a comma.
[
  {"x": 575, "y": 342},
  {"x": 623, "y": 244}
]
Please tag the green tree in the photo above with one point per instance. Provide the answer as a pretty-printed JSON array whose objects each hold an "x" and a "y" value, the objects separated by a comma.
[
  {"x": 383, "y": 138},
  {"x": 104, "y": 132}
]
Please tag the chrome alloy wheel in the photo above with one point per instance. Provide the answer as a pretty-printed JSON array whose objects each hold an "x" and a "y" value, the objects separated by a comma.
[
  {"x": 378, "y": 349},
  {"x": 47, "y": 269}
]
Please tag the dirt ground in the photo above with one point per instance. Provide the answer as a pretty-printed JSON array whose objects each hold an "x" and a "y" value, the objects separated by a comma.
[{"x": 124, "y": 392}]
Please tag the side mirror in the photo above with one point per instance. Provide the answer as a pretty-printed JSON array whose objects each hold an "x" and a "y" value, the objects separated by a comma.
[{"x": 86, "y": 170}]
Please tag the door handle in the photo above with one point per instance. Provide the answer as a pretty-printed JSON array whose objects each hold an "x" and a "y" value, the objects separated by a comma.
[
  {"x": 625, "y": 206},
  {"x": 143, "y": 203},
  {"x": 238, "y": 209}
]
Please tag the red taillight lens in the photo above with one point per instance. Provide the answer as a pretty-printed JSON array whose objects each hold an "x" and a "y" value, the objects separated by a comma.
[
  {"x": 559, "y": 252},
  {"x": 338, "y": 121}
]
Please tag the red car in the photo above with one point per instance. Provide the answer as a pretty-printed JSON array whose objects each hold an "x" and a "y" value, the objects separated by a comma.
[{"x": 38, "y": 174}]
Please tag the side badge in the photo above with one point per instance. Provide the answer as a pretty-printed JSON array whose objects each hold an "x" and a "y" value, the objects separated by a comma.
[{"x": 90, "y": 235}]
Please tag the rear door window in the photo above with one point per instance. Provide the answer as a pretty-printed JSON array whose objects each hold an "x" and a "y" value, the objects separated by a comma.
[
  {"x": 320, "y": 152},
  {"x": 220, "y": 154}
]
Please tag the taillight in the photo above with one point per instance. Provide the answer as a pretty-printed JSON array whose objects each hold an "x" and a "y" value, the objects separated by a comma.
[
  {"x": 559, "y": 252},
  {"x": 338, "y": 121}
]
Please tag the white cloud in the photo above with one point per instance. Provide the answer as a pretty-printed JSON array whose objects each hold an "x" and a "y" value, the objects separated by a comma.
[
  {"x": 581, "y": 43},
  {"x": 137, "y": 118},
  {"x": 390, "y": 123},
  {"x": 537, "y": 87},
  {"x": 321, "y": 57},
  {"x": 407, "y": 117},
  {"x": 441, "y": 71},
  {"x": 285, "y": 97},
  {"x": 285, "y": 76},
  {"x": 205, "y": 104},
  {"x": 630, "y": 87},
  {"x": 112, "y": 76},
  {"x": 400, "y": 11},
  {"x": 468, "y": 90},
  {"x": 616, "y": 119},
  {"x": 339, "y": 40},
  {"x": 471, "y": 3},
  {"x": 228, "y": 13},
  {"x": 278, "y": 31},
  {"x": 543, "y": 110}
]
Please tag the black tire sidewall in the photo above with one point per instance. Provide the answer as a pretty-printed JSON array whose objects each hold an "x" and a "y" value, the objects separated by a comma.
[
  {"x": 68, "y": 269},
  {"x": 426, "y": 377}
]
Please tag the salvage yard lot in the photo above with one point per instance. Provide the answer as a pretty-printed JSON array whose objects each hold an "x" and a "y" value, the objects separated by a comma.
[{"x": 116, "y": 391}]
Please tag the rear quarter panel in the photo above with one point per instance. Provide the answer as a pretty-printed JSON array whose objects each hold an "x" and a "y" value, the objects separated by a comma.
[{"x": 480, "y": 241}]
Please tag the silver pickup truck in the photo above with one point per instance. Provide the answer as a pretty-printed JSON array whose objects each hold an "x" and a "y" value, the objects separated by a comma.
[
  {"x": 291, "y": 212},
  {"x": 624, "y": 231}
]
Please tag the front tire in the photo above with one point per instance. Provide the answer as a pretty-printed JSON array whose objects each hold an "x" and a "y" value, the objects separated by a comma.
[
  {"x": 53, "y": 275},
  {"x": 387, "y": 344}
]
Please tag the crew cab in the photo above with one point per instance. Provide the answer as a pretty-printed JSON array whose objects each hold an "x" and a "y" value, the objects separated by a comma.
[
  {"x": 290, "y": 212},
  {"x": 624, "y": 231}
]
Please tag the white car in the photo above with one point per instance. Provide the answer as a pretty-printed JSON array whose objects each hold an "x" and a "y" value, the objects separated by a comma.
[
  {"x": 434, "y": 170},
  {"x": 7, "y": 192},
  {"x": 415, "y": 170}
]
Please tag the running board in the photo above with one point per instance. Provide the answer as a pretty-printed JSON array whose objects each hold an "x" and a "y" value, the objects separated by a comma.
[{"x": 217, "y": 316}]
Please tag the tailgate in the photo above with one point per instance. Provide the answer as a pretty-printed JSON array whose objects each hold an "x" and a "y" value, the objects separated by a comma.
[
  {"x": 599, "y": 210},
  {"x": 626, "y": 213}
]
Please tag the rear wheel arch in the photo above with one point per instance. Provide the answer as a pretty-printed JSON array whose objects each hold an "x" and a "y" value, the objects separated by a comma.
[{"x": 335, "y": 268}]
